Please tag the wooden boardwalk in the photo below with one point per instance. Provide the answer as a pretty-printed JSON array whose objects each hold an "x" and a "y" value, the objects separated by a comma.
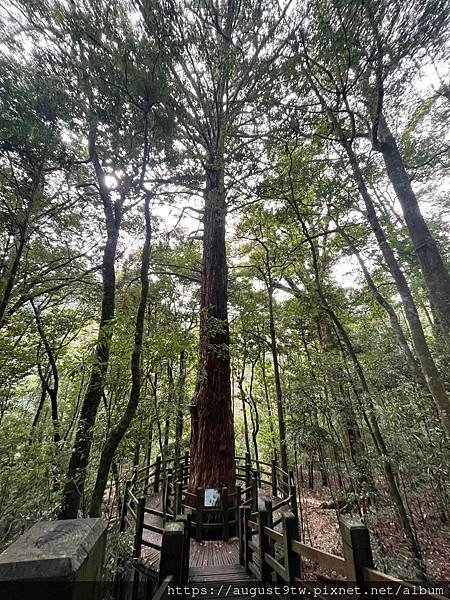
[
  {"x": 222, "y": 581},
  {"x": 202, "y": 554}
]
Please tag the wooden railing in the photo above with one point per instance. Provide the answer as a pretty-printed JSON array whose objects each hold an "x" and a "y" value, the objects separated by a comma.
[
  {"x": 174, "y": 567},
  {"x": 171, "y": 479},
  {"x": 270, "y": 554}
]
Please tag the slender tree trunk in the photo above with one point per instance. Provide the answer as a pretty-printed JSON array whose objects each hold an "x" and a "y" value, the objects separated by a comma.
[
  {"x": 179, "y": 419},
  {"x": 393, "y": 318},
  {"x": 383, "y": 453},
  {"x": 52, "y": 390},
  {"x": 39, "y": 409},
  {"x": 277, "y": 377},
  {"x": 76, "y": 474},
  {"x": 11, "y": 278},
  {"x": 435, "y": 273},
  {"x": 169, "y": 408},
  {"x": 374, "y": 429},
  {"x": 244, "y": 411},
  {"x": 212, "y": 438},
  {"x": 269, "y": 406},
  {"x": 23, "y": 239},
  {"x": 117, "y": 432},
  {"x": 430, "y": 371},
  {"x": 254, "y": 414}
]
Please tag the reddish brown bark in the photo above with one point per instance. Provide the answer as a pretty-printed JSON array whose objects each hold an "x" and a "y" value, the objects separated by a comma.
[{"x": 212, "y": 437}]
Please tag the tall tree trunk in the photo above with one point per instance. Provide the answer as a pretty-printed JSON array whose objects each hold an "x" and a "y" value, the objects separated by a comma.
[
  {"x": 429, "y": 369},
  {"x": 372, "y": 421},
  {"x": 169, "y": 408},
  {"x": 434, "y": 271},
  {"x": 276, "y": 370},
  {"x": 269, "y": 406},
  {"x": 179, "y": 417},
  {"x": 117, "y": 433},
  {"x": 383, "y": 452},
  {"x": 76, "y": 474},
  {"x": 212, "y": 437},
  {"x": 393, "y": 318},
  {"x": 240, "y": 379}
]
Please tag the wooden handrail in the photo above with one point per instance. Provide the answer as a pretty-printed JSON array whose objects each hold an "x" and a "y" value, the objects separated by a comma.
[
  {"x": 276, "y": 536},
  {"x": 163, "y": 590},
  {"x": 282, "y": 503},
  {"x": 133, "y": 497},
  {"x": 373, "y": 576},
  {"x": 325, "y": 559}
]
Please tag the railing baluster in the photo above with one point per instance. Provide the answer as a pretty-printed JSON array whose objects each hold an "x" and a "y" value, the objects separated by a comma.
[
  {"x": 157, "y": 474},
  {"x": 264, "y": 547},
  {"x": 140, "y": 513},
  {"x": 274, "y": 478}
]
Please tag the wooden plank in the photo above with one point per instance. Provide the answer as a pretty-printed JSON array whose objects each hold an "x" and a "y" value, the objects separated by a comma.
[
  {"x": 234, "y": 568},
  {"x": 154, "y": 528},
  {"x": 281, "y": 503},
  {"x": 276, "y": 536},
  {"x": 254, "y": 569},
  {"x": 276, "y": 566},
  {"x": 153, "y": 511},
  {"x": 151, "y": 544},
  {"x": 325, "y": 559},
  {"x": 162, "y": 591}
]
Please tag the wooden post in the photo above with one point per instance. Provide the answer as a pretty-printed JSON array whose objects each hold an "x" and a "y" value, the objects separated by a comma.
[
  {"x": 241, "y": 533},
  {"x": 292, "y": 560},
  {"x": 169, "y": 488},
  {"x": 140, "y": 513},
  {"x": 238, "y": 496},
  {"x": 293, "y": 493},
  {"x": 123, "y": 515},
  {"x": 264, "y": 547},
  {"x": 247, "y": 538},
  {"x": 172, "y": 552},
  {"x": 235, "y": 510},
  {"x": 225, "y": 514},
  {"x": 248, "y": 469},
  {"x": 186, "y": 546},
  {"x": 157, "y": 474},
  {"x": 178, "y": 509},
  {"x": 199, "y": 515},
  {"x": 357, "y": 550},
  {"x": 269, "y": 510},
  {"x": 186, "y": 468},
  {"x": 255, "y": 491},
  {"x": 274, "y": 478}
]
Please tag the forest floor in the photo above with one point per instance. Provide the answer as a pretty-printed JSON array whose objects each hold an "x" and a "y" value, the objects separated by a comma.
[{"x": 391, "y": 553}]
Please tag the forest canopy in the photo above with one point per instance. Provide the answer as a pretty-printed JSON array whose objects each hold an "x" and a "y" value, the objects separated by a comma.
[{"x": 224, "y": 227}]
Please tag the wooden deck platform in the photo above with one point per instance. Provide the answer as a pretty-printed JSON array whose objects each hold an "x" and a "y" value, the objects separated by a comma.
[{"x": 202, "y": 554}]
